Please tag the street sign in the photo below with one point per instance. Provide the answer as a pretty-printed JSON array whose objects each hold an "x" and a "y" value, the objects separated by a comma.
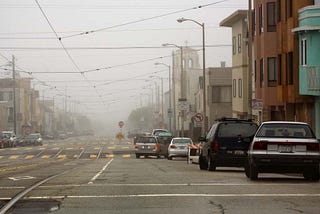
[
  {"x": 121, "y": 124},
  {"x": 183, "y": 104},
  {"x": 198, "y": 117}
]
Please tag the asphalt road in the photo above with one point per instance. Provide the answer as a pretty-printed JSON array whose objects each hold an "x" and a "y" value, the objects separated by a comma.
[{"x": 100, "y": 175}]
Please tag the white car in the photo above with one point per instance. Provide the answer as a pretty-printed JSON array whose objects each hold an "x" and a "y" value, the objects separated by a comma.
[
  {"x": 284, "y": 147},
  {"x": 179, "y": 147}
]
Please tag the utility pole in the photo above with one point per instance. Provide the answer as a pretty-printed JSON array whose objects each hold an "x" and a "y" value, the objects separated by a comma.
[
  {"x": 250, "y": 59},
  {"x": 14, "y": 95},
  {"x": 174, "y": 95}
]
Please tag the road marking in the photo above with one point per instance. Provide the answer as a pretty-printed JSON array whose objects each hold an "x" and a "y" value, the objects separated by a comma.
[
  {"x": 92, "y": 156},
  {"x": 62, "y": 156},
  {"x": 75, "y": 156},
  {"x": 97, "y": 148},
  {"x": 171, "y": 195},
  {"x": 126, "y": 156},
  {"x": 125, "y": 147},
  {"x": 56, "y": 148},
  {"x": 45, "y": 156},
  {"x": 28, "y": 148},
  {"x": 14, "y": 149},
  {"x": 42, "y": 148},
  {"x": 69, "y": 148},
  {"x": 1, "y": 157},
  {"x": 111, "y": 147},
  {"x": 14, "y": 157},
  {"x": 109, "y": 155},
  {"x": 100, "y": 172},
  {"x": 29, "y": 157},
  {"x": 21, "y": 178}
]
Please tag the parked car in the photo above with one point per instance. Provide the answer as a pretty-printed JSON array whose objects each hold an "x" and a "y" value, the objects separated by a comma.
[
  {"x": 9, "y": 138},
  {"x": 33, "y": 139},
  {"x": 164, "y": 139},
  {"x": 226, "y": 144},
  {"x": 179, "y": 147},
  {"x": 155, "y": 132},
  {"x": 284, "y": 147},
  {"x": 147, "y": 146},
  {"x": 1, "y": 141}
]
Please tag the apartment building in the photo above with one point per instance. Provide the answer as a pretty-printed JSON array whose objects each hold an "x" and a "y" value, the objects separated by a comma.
[
  {"x": 308, "y": 34},
  {"x": 240, "y": 73},
  {"x": 276, "y": 61}
]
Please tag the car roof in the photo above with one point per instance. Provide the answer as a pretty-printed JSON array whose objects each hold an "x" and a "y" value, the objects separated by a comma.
[
  {"x": 282, "y": 122},
  {"x": 180, "y": 138}
]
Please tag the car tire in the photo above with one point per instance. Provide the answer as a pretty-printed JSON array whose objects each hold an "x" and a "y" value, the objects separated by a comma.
[
  {"x": 137, "y": 156},
  {"x": 211, "y": 164},
  {"x": 247, "y": 169},
  {"x": 312, "y": 174},
  {"x": 203, "y": 164},
  {"x": 253, "y": 172},
  {"x": 169, "y": 158}
]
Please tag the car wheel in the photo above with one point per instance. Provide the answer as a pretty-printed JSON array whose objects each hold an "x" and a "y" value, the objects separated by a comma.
[
  {"x": 211, "y": 164},
  {"x": 137, "y": 156},
  {"x": 203, "y": 164},
  {"x": 253, "y": 172},
  {"x": 312, "y": 174},
  {"x": 247, "y": 169},
  {"x": 169, "y": 158}
]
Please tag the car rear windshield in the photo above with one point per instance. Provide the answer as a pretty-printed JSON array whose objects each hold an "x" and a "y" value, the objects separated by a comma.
[
  {"x": 176, "y": 141},
  {"x": 237, "y": 129},
  {"x": 146, "y": 140},
  {"x": 285, "y": 131}
]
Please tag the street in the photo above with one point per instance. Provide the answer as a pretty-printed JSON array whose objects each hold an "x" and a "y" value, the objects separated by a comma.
[{"x": 101, "y": 175}]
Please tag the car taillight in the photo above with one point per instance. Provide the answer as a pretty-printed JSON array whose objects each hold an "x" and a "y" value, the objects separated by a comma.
[
  {"x": 136, "y": 146},
  {"x": 173, "y": 146},
  {"x": 156, "y": 147},
  {"x": 260, "y": 145},
  {"x": 313, "y": 147},
  {"x": 215, "y": 145}
]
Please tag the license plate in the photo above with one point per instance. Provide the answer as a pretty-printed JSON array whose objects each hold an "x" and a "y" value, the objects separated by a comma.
[
  {"x": 238, "y": 152},
  {"x": 285, "y": 148}
]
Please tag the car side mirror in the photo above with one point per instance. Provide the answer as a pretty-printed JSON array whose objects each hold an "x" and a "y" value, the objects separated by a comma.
[{"x": 202, "y": 139}]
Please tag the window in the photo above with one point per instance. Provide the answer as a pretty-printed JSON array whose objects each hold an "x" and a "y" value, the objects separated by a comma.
[
  {"x": 279, "y": 69},
  {"x": 261, "y": 73},
  {"x": 10, "y": 114},
  {"x": 289, "y": 8},
  {"x": 271, "y": 21},
  {"x": 234, "y": 87},
  {"x": 221, "y": 94},
  {"x": 1, "y": 96},
  {"x": 255, "y": 71},
  {"x": 190, "y": 63},
  {"x": 254, "y": 22},
  {"x": 240, "y": 87},
  {"x": 290, "y": 68},
  {"x": 239, "y": 43},
  {"x": 279, "y": 10},
  {"x": 272, "y": 72},
  {"x": 234, "y": 48},
  {"x": 261, "y": 18},
  {"x": 303, "y": 53}
]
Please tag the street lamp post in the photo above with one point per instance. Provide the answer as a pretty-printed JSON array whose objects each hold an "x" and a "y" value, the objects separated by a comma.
[
  {"x": 162, "y": 115},
  {"x": 159, "y": 63},
  {"x": 204, "y": 124},
  {"x": 182, "y": 85}
]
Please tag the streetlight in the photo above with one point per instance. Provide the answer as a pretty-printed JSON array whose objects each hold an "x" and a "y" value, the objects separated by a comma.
[
  {"x": 159, "y": 63},
  {"x": 182, "y": 88},
  {"x": 204, "y": 124}
]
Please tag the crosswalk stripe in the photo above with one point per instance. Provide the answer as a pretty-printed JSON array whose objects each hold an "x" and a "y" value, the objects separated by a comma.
[
  {"x": 93, "y": 156},
  {"x": 62, "y": 157},
  {"x": 14, "y": 157},
  {"x": 111, "y": 147},
  {"x": 45, "y": 156},
  {"x": 126, "y": 156},
  {"x": 29, "y": 156},
  {"x": 109, "y": 155}
]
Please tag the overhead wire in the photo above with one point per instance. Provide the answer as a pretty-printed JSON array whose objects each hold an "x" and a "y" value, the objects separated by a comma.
[{"x": 142, "y": 20}]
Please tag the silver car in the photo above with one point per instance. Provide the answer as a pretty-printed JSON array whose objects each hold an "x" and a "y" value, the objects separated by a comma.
[
  {"x": 146, "y": 146},
  {"x": 179, "y": 147}
]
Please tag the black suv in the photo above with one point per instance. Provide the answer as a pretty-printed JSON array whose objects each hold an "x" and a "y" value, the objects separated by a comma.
[{"x": 226, "y": 144}]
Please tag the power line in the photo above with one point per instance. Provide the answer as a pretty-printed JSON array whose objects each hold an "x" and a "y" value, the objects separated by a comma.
[{"x": 142, "y": 20}]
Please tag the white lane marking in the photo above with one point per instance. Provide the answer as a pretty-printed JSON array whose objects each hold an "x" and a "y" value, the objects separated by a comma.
[
  {"x": 21, "y": 178},
  {"x": 101, "y": 171},
  {"x": 171, "y": 195}
]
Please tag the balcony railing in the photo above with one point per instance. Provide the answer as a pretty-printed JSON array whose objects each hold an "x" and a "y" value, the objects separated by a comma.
[{"x": 313, "y": 78}]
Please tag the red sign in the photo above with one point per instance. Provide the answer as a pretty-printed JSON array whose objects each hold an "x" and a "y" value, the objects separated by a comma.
[
  {"x": 121, "y": 124},
  {"x": 198, "y": 117}
]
